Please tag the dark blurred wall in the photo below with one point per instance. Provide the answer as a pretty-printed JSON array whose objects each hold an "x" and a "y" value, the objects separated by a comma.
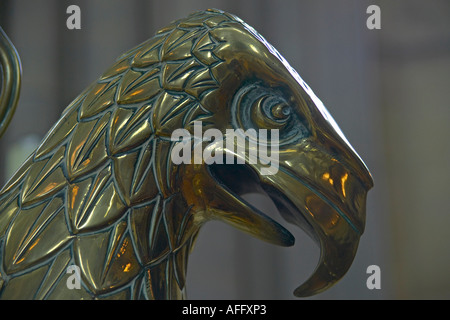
[
  {"x": 415, "y": 108},
  {"x": 387, "y": 89}
]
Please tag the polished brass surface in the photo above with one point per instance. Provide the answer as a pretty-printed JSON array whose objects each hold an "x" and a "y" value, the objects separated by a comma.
[
  {"x": 102, "y": 192},
  {"x": 11, "y": 78}
]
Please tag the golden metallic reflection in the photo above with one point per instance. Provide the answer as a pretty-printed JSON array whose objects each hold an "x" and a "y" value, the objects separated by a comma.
[
  {"x": 322, "y": 213},
  {"x": 343, "y": 181},
  {"x": 326, "y": 176},
  {"x": 11, "y": 80}
]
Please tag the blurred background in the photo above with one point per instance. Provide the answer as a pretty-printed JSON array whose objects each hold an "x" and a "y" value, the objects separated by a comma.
[{"x": 388, "y": 89}]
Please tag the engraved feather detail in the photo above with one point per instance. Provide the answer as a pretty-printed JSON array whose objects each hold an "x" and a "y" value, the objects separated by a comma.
[{"x": 94, "y": 181}]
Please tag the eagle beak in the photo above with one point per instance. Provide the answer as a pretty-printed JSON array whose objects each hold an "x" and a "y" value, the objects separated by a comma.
[{"x": 323, "y": 193}]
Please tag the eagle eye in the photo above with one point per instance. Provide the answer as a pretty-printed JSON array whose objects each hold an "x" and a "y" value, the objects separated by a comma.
[{"x": 256, "y": 106}]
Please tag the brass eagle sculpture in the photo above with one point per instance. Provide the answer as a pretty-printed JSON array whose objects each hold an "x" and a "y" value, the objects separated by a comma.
[{"x": 101, "y": 191}]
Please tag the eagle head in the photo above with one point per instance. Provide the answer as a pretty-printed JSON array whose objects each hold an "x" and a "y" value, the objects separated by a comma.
[
  {"x": 250, "y": 123},
  {"x": 171, "y": 137}
]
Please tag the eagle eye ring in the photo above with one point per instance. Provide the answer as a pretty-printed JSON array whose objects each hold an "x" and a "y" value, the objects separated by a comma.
[{"x": 256, "y": 106}]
